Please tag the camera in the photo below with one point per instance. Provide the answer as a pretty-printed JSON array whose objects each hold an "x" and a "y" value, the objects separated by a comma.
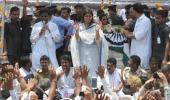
[{"x": 156, "y": 76}]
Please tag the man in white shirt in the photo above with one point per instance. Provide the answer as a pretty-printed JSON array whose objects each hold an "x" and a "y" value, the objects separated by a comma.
[
  {"x": 65, "y": 82},
  {"x": 43, "y": 37},
  {"x": 111, "y": 79},
  {"x": 141, "y": 36},
  {"x": 26, "y": 70}
]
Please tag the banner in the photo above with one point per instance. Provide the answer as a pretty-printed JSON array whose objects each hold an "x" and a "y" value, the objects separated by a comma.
[{"x": 2, "y": 15}]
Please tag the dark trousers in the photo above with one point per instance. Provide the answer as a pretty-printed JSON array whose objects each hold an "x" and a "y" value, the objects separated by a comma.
[
  {"x": 59, "y": 52},
  {"x": 13, "y": 59}
]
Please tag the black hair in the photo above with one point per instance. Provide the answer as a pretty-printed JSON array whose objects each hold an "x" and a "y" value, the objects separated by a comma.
[
  {"x": 66, "y": 57},
  {"x": 100, "y": 12},
  {"x": 79, "y": 5},
  {"x": 25, "y": 61},
  {"x": 138, "y": 8},
  {"x": 163, "y": 13},
  {"x": 44, "y": 57},
  {"x": 54, "y": 11},
  {"x": 127, "y": 7},
  {"x": 45, "y": 10},
  {"x": 153, "y": 10},
  {"x": 14, "y": 9},
  {"x": 145, "y": 7},
  {"x": 112, "y": 60},
  {"x": 112, "y": 8},
  {"x": 88, "y": 11},
  {"x": 101, "y": 16},
  {"x": 136, "y": 59},
  {"x": 66, "y": 8}
]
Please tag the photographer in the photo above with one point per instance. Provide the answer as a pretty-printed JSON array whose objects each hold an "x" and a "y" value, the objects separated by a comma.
[{"x": 159, "y": 83}]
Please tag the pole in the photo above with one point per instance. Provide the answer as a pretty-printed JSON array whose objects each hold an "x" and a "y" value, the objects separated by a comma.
[
  {"x": 2, "y": 13},
  {"x": 110, "y": 2},
  {"x": 102, "y": 5},
  {"x": 50, "y": 2}
]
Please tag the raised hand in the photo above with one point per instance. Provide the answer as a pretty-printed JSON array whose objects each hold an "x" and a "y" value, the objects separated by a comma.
[
  {"x": 100, "y": 71},
  {"x": 147, "y": 96},
  {"x": 31, "y": 84},
  {"x": 53, "y": 75},
  {"x": 162, "y": 77},
  {"x": 77, "y": 73},
  {"x": 98, "y": 27},
  {"x": 25, "y": 3},
  {"x": 76, "y": 27},
  {"x": 84, "y": 72},
  {"x": 44, "y": 28},
  {"x": 101, "y": 96},
  {"x": 8, "y": 83}
]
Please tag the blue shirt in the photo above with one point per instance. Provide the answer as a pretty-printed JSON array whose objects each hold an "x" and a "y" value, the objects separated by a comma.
[{"x": 62, "y": 24}]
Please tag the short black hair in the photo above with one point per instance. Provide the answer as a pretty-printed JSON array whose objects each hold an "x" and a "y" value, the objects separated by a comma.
[
  {"x": 44, "y": 57},
  {"x": 127, "y": 7},
  {"x": 138, "y": 8},
  {"x": 112, "y": 60},
  {"x": 101, "y": 16},
  {"x": 44, "y": 10},
  {"x": 112, "y": 8},
  {"x": 78, "y": 5},
  {"x": 66, "y": 8},
  {"x": 145, "y": 7},
  {"x": 163, "y": 13},
  {"x": 15, "y": 8},
  {"x": 136, "y": 59},
  {"x": 25, "y": 61},
  {"x": 52, "y": 9},
  {"x": 66, "y": 57},
  {"x": 99, "y": 12}
]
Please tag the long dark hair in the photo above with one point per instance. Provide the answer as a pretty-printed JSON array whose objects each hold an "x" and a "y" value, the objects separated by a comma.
[{"x": 88, "y": 11}]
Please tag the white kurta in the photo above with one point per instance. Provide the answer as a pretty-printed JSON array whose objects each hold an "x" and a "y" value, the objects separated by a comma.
[
  {"x": 44, "y": 44},
  {"x": 65, "y": 83},
  {"x": 89, "y": 51},
  {"x": 141, "y": 45},
  {"x": 113, "y": 80}
]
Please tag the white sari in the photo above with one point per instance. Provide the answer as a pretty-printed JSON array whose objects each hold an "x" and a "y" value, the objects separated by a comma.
[{"x": 89, "y": 51}]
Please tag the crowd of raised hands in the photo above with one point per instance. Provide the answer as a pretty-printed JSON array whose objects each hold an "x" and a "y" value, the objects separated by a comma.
[
  {"x": 83, "y": 88},
  {"x": 82, "y": 84},
  {"x": 9, "y": 73}
]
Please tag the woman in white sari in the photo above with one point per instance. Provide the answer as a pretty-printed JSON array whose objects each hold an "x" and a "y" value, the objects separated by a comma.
[
  {"x": 43, "y": 37},
  {"x": 88, "y": 46}
]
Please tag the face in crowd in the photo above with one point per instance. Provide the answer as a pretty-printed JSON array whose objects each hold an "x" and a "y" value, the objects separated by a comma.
[
  {"x": 44, "y": 63},
  {"x": 14, "y": 14},
  {"x": 110, "y": 67}
]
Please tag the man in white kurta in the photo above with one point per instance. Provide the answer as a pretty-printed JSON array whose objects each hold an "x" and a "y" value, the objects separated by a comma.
[
  {"x": 112, "y": 78},
  {"x": 44, "y": 44},
  {"x": 141, "y": 36},
  {"x": 141, "y": 45}
]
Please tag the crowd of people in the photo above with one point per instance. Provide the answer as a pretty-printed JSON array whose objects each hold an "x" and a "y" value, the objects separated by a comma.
[{"x": 63, "y": 56}]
